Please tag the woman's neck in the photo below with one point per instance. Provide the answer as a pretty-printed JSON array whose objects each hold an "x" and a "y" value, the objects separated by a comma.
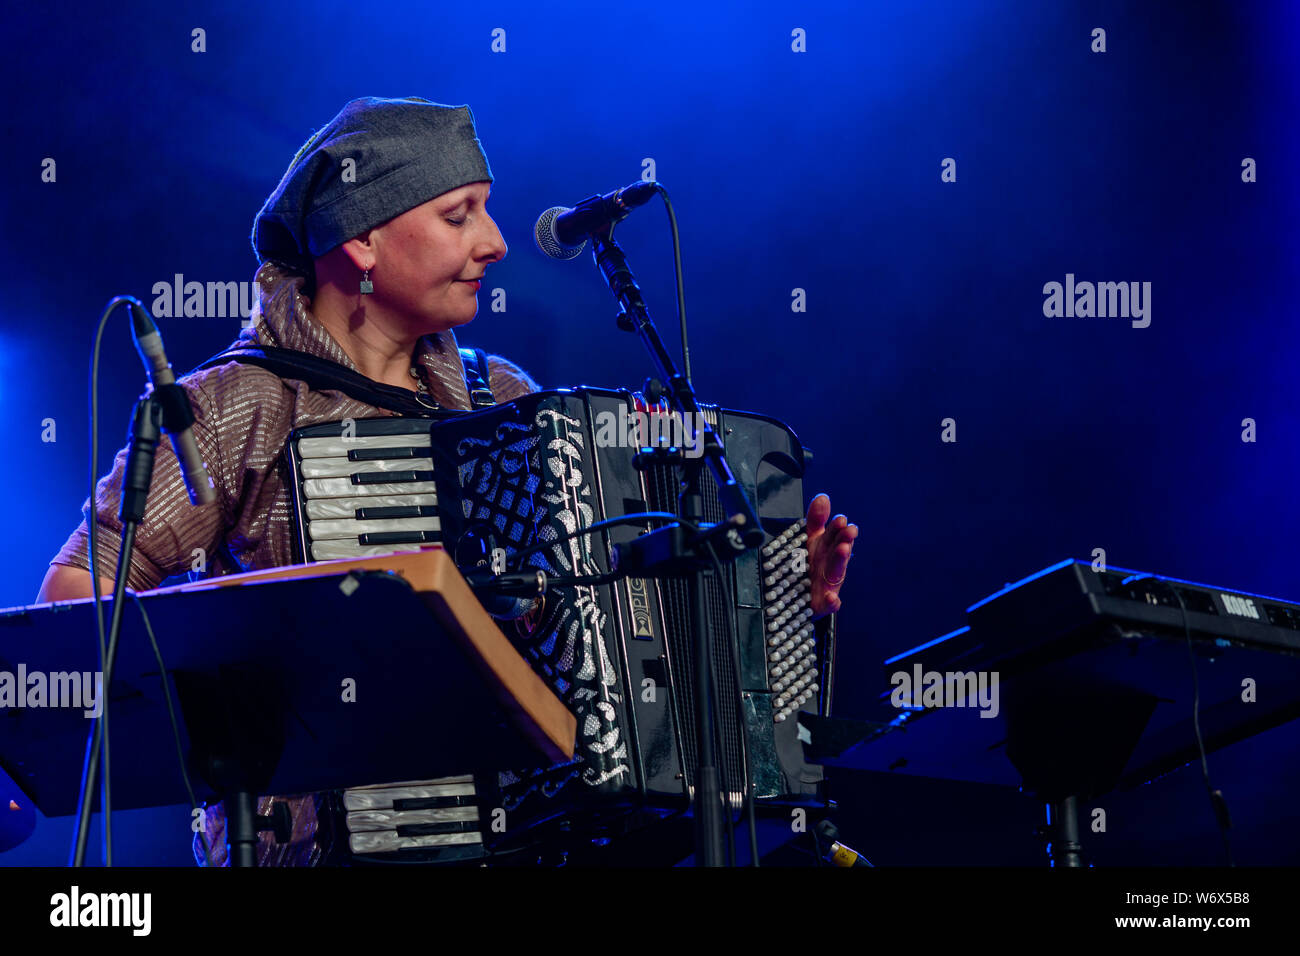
[{"x": 379, "y": 352}]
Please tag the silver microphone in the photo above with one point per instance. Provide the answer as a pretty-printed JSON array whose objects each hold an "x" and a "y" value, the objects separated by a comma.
[{"x": 561, "y": 232}]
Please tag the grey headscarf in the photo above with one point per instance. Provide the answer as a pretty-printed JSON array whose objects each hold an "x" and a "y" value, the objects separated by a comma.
[{"x": 402, "y": 153}]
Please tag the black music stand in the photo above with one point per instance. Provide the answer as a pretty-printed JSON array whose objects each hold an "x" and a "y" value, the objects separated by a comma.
[{"x": 262, "y": 707}]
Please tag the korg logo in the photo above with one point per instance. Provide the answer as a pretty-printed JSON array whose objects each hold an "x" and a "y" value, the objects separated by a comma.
[{"x": 1242, "y": 607}]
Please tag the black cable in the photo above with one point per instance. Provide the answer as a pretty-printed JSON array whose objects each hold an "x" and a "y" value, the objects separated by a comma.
[
  {"x": 677, "y": 271},
  {"x": 747, "y": 793},
  {"x": 715, "y": 710},
  {"x": 1217, "y": 802},
  {"x": 681, "y": 288},
  {"x": 747, "y": 783},
  {"x": 555, "y": 581},
  {"x": 818, "y": 852},
  {"x": 171, "y": 715},
  {"x": 640, "y": 518},
  {"x": 581, "y": 580},
  {"x": 92, "y": 526}
]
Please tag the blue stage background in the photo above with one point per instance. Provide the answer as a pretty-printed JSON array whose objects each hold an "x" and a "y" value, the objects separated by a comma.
[{"x": 817, "y": 170}]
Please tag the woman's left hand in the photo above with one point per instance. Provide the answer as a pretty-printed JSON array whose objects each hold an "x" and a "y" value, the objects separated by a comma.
[{"x": 830, "y": 545}]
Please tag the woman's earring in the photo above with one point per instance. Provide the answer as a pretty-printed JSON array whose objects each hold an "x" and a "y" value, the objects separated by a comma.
[{"x": 367, "y": 286}]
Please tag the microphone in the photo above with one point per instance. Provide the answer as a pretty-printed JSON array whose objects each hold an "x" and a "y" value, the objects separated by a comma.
[
  {"x": 177, "y": 414},
  {"x": 562, "y": 232}
]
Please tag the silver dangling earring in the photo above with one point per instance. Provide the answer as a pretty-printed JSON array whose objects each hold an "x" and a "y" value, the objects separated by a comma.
[{"x": 367, "y": 286}]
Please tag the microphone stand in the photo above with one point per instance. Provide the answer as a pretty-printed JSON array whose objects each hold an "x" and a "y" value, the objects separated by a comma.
[
  {"x": 678, "y": 549},
  {"x": 166, "y": 406}
]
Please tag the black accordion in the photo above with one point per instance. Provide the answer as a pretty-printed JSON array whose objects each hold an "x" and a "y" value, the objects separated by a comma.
[{"x": 531, "y": 473}]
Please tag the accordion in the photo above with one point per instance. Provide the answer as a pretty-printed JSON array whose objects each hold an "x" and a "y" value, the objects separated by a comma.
[{"x": 528, "y": 477}]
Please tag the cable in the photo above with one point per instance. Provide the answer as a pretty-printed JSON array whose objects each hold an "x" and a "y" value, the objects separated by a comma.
[
  {"x": 171, "y": 715},
  {"x": 1217, "y": 802},
  {"x": 641, "y": 518},
  {"x": 681, "y": 288},
  {"x": 581, "y": 580},
  {"x": 747, "y": 796},
  {"x": 818, "y": 852},
  {"x": 720, "y": 759},
  {"x": 92, "y": 526},
  {"x": 715, "y": 711},
  {"x": 747, "y": 793},
  {"x": 555, "y": 581}
]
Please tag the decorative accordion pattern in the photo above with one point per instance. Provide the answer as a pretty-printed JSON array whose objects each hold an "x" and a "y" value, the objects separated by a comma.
[
  {"x": 520, "y": 497},
  {"x": 532, "y": 472}
]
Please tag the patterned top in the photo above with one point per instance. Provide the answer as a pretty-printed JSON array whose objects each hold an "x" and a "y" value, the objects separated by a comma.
[{"x": 243, "y": 417}]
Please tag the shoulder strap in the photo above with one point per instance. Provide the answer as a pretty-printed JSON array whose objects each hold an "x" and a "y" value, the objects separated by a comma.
[
  {"x": 320, "y": 373},
  {"x": 478, "y": 378}
]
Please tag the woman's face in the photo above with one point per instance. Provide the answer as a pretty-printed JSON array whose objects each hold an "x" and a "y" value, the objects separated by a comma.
[{"x": 427, "y": 258}]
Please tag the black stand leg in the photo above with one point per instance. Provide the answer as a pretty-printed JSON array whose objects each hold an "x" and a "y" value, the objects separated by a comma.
[
  {"x": 241, "y": 828},
  {"x": 236, "y": 726},
  {"x": 1067, "y": 749},
  {"x": 1062, "y": 833}
]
